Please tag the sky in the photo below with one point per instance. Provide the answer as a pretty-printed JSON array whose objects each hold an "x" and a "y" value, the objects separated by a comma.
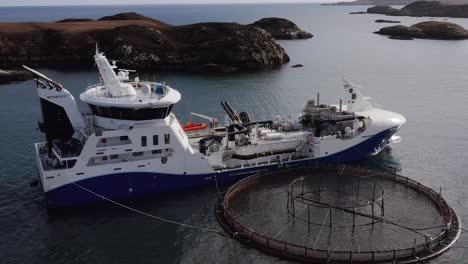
[{"x": 133, "y": 2}]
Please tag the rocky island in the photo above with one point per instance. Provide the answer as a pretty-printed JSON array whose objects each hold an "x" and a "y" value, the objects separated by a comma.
[
  {"x": 423, "y": 8},
  {"x": 426, "y": 30},
  {"x": 14, "y": 76},
  {"x": 281, "y": 28},
  {"x": 140, "y": 42}
]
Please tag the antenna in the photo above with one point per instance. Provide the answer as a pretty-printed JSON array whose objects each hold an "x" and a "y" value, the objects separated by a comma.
[
  {"x": 342, "y": 74},
  {"x": 127, "y": 70}
]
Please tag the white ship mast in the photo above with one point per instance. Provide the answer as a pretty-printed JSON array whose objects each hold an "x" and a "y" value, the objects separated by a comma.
[{"x": 113, "y": 83}]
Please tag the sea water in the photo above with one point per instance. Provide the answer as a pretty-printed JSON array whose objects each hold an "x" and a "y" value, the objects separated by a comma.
[{"x": 425, "y": 80}]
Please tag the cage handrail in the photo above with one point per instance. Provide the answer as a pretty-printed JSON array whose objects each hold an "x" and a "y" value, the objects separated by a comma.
[{"x": 294, "y": 249}]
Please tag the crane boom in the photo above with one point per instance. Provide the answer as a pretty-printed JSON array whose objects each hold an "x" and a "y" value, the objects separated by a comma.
[{"x": 212, "y": 120}]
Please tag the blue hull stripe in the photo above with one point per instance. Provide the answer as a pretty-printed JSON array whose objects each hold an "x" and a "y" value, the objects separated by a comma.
[{"x": 132, "y": 184}]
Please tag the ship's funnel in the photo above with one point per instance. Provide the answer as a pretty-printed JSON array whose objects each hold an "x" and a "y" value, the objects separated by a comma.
[
  {"x": 61, "y": 118},
  {"x": 356, "y": 101}
]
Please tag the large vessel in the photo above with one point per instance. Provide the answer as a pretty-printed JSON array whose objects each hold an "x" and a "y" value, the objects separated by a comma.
[{"x": 130, "y": 143}]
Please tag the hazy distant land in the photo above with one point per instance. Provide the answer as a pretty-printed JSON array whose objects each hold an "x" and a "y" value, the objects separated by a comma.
[
  {"x": 423, "y": 9},
  {"x": 393, "y": 2}
]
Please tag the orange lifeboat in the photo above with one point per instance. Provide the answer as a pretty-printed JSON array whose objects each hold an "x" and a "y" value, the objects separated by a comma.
[{"x": 194, "y": 127}]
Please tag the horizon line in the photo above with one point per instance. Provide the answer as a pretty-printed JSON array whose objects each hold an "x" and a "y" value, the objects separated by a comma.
[{"x": 172, "y": 3}]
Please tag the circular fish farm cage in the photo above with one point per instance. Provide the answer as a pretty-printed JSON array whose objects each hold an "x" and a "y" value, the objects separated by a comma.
[{"x": 339, "y": 214}]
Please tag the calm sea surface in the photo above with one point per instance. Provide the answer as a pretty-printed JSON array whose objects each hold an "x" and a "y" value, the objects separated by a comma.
[{"x": 425, "y": 80}]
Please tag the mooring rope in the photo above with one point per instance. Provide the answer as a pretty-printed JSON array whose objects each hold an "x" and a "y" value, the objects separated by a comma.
[
  {"x": 217, "y": 187},
  {"x": 290, "y": 222},
  {"x": 347, "y": 230},
  {"x": 219, "y": 191},
  {"x": 342, "y": 170},
  {"x": 150, "y": 215},
  {"x": 320, "y": 232}
]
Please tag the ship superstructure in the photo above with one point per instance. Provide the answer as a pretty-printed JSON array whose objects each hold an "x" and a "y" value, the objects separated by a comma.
[{"x": 130, "y": 143}]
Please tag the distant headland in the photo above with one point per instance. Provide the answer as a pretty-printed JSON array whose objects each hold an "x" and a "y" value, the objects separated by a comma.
[
  {"x": 370, "y": 2},
  {"x": 421, "y": 9},
  {"x": 390, "y": 2}
]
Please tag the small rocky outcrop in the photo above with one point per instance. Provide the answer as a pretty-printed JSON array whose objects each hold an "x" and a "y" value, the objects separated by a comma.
[
  {"x": 384, "y": 10},
  {"x": 214, "y": 68},
  {"x": 140, "y": 43},
  {"x": 423, "y": 8},
  {"x": 297, "y": 66},
  {"x": 386, "y": 21},
  {"x": 7, "y": 76},
  {"x": 281, "y": 28},
  {"x": 426, "y": 30},
  {"x": 358, "y": 13}
]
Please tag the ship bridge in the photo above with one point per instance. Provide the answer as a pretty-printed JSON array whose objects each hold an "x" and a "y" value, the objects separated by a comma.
[
  {"x": 117, "y": 97},
  {"x": 151, "y": 100}
]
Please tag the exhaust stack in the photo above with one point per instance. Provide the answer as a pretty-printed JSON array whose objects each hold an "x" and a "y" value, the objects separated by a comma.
[{"x": 61, "y": 118}]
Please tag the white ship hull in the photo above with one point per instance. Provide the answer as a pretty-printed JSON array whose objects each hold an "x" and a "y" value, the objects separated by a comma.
[
  {"x": 131, "y": 144},
  {"x": 133, "y": 179}
]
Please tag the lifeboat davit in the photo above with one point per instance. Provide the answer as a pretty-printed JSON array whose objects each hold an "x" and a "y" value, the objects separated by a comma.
[{"x": 194, "y": 127}]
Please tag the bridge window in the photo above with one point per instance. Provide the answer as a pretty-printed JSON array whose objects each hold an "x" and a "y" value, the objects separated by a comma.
[
  {"x": 156, "y": 151},
  {"x": 167, "y": 138},
  {"x": 131, "y": 114},
  {"x": 143, "y": 141},
  {"x": 155, "y": 140},
  {"x": 162, "y": 154},
  {"x": 113, "y": 141},
  {"x": 70, "y": 163}
]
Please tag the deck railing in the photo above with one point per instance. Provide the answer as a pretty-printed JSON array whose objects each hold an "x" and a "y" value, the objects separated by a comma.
[{"x": 95, "y": 89}]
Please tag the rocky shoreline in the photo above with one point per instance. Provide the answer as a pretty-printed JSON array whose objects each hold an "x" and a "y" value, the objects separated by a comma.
[{"x": 144, "y": 43}]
